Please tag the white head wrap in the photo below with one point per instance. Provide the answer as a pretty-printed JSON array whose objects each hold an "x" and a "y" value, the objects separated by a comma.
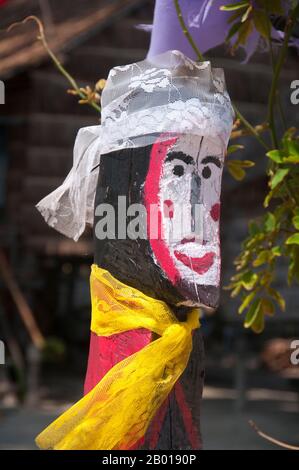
[{"x": 140, "y": 103}]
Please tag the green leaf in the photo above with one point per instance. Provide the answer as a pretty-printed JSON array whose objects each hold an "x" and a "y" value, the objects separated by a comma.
[
  {"x": 276, "y": 251},
  {"x": 236, "y": 291},
  {"x": 268, "y": 198},
  {"x": 267, "y": 307},
  {"x": 236, "y": 171},
  {"x": 237, "y": 277},
  {"x": 295, "y": 221},
  {"x": 278, "y": 177},
  {"x": 246, "y": 14},
  {"x": 262, "y": 23},
  {"x": 262, "y": 258},
  {"x": 235, "y": 167},
  {"x": 234, "y": 148},
  {"x": 234, "y": 6},
  {"x": 247, "y": 300},
  {"x": 254, "y": 229},
  {"x": 233, "y": 30},
  {"x": 249, "y": 279},
  {"x": 244, "y": 33},
  {"x": 275, "y": 155},
  {"x": 266, "y": 278},
  {"x": 255, "y": 241},
  {"x": 270, "y": 222},
  {"x": 252, "y": 314},
  {"x": 235, "y": 16},
  {"x": 289, "y": 135},
  {"x": 245, "y": 163},
  {"x": 277, "y": 297},
  {"x": 258, "y": 325},
  {"x": 291, "y": 159},
  {"x": 281, "y": 210},
  {"x": 293, "y": 272},
  {"x": 293, "y": 147},
  {"x": 293, "y": 239}
]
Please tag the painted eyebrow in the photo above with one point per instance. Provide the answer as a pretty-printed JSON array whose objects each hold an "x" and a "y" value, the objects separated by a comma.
[
  {"x": 180, "y": 156},
  {"x": 211, "y": 159}
]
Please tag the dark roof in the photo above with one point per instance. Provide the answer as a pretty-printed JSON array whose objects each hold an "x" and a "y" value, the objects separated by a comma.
[{"x": 67, "y": 23}]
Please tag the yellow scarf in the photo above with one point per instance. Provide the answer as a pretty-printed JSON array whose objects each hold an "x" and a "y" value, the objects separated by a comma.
[{"x": 116, "y": 413}]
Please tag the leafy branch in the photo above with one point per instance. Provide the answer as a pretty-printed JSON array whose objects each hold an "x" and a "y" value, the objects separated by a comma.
[{"x": 274, "y": 237}]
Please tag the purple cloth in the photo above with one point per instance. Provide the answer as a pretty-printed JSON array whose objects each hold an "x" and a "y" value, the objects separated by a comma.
[{"x": 207, "y": 24}]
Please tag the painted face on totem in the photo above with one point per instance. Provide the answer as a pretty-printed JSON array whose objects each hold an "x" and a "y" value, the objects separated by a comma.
[{"x": 182, "y": 195}]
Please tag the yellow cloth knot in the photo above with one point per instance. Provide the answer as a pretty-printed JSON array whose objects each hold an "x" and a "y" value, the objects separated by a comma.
[
  {"x": 116, "y": 413},
  {"x": 190, "y": 324},
  {"x": 176, "y": 329}
]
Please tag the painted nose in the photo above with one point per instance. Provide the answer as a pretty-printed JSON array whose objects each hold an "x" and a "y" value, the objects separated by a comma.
[
  {"x": 195, "y": 197},
  {"x": 168, "y": 209}
]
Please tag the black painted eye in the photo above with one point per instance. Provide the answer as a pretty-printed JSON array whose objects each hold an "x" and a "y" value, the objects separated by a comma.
[
  {"x": 206, "y": 172},
  {"x": 178, "y": 170}
]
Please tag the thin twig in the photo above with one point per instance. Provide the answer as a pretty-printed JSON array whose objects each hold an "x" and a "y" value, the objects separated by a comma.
[
  {"x": 41, "y": 37},
  {"x": 279, "y": 103},
  {"x": 271, "y": 439},
  {"x": 237, "y": 133},
  {"x": 19, "y": 299},
  {"x": 186, "y": 31},
  {"x": 250, "y": 128}
]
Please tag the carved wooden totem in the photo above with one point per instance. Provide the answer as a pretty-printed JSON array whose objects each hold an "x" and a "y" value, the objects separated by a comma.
[{"x": 157, "y": 160}]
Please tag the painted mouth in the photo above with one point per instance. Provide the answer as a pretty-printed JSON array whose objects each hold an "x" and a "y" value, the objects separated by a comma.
[
  {"x": 199, "y": 265},
  {"x": 188, "y": 240}
]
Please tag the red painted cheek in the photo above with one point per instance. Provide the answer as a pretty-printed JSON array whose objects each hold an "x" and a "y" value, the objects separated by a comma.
[
  {"x": 168, "y": 209},
  {"x": 215, "y": 212}
]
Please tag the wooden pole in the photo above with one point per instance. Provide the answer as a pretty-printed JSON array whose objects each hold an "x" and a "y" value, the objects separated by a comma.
[{"x": 21, "y": 303}]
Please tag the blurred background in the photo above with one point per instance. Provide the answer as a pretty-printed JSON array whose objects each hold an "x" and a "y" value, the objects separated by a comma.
[{"x": 44, "y": 277}]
